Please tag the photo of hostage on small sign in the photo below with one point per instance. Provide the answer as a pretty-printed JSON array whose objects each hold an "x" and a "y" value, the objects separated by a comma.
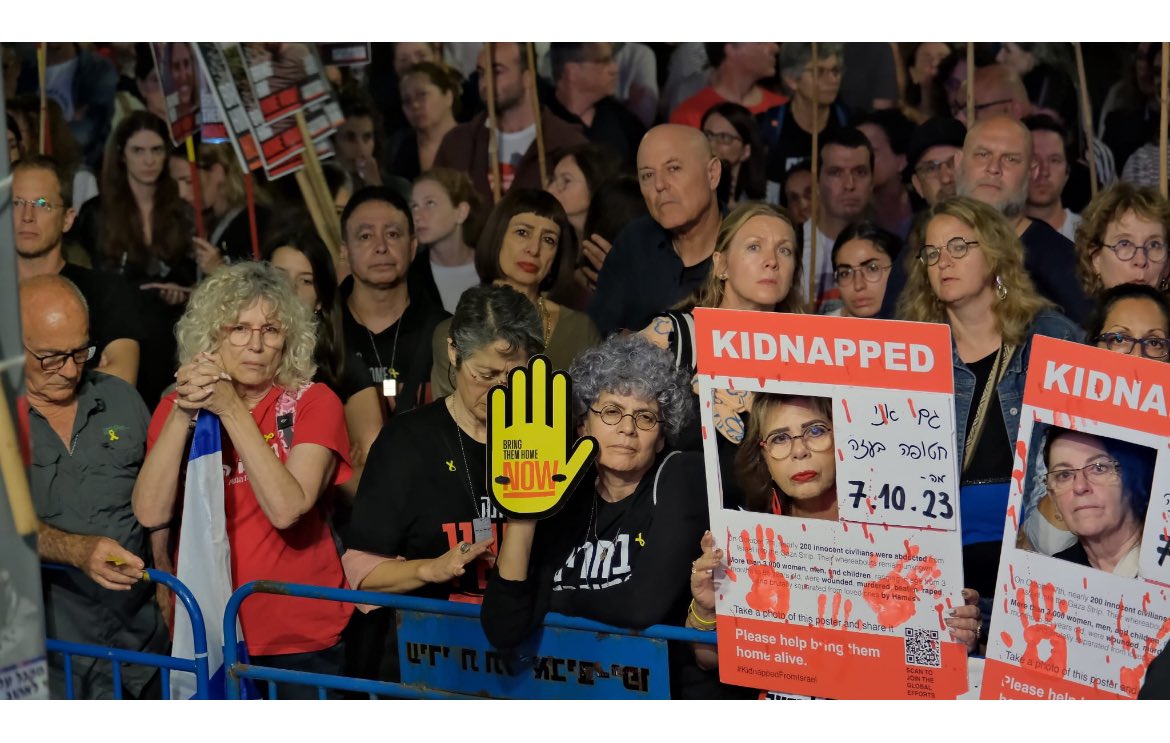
[
  {"x": 1081, "y": 605},
  {"x": 840, "y": 523}
]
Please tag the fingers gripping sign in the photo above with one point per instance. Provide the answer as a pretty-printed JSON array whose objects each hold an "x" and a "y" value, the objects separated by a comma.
[{"x": 533, "y": 464}]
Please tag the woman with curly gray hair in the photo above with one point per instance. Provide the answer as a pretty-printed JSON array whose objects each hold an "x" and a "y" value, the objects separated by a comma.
[
  {"x": 618, "y": 551},
  {"x": 246, "y": 346}
]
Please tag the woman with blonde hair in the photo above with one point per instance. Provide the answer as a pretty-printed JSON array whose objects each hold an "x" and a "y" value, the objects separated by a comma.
[
  {"x": 246, "y": 345},
  {"x": 756, "y": 266},
  {"x": 225, "y": 209},
  {"x": 1122, "y": 239},
  {"x": 970, "y": 274}
]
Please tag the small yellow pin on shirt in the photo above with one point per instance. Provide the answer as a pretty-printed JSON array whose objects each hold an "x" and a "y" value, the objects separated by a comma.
[
  {"x": 450, "y": 465},
  {"x": 113, "y": 436}
]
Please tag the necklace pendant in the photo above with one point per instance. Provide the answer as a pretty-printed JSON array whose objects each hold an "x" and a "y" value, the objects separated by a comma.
[
  {"x": 604, "y": 553},
  {"x": 389, "y": 387}
]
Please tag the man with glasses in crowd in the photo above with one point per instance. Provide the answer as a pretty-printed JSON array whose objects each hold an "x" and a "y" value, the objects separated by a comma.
[
  {"x": 42, "y": 213},
  {"x": 84, "y": 433}
]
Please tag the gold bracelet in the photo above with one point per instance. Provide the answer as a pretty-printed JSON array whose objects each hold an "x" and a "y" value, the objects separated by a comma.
[{"x": 705, "y": 624}]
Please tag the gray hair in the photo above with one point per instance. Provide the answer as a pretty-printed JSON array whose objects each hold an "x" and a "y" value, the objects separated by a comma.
[
  {"x": 632, "y": 365},
  {"x": 795, "y": 55},
  {"x": 220, "y": 299},
  {"x": 491, "y": 313}
]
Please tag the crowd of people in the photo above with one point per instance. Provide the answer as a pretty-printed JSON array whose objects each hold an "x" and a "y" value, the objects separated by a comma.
[{"x": 626, "y": 185}]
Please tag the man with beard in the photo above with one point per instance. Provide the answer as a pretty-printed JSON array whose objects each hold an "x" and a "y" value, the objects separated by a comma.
[
  {"x": 388, "y": 332},
  {"x": 996, "y": 167},
  {"x": 465, "y": 147},
  {"x": 41, "y": 213},
  {"x": 1053, "y": 152}
]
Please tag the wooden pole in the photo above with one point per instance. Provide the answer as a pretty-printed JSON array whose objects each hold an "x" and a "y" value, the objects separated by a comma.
[
  {"x": 196, "y": 189},
  {"x": 13, "y": 471},
  {"x": 812, "y": 268},
  {"x": 314, "y": 208},
  {"x": 970, "y": 84},
  {"x": 1162, "y": 126},
  {"x": 899, "y": 73},
  {"x": 43, "y": 128},
  {"x": 319, "y": 189},
  {"x": 250, "y": 195},
  {"x": 1087, "y": 118},
  {"x": 493, "y": 130},
  {"x": 530, "y": 47}
]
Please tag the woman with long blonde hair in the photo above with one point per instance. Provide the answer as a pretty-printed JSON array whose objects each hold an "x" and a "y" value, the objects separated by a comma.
[{"x": 968, "y": 272}]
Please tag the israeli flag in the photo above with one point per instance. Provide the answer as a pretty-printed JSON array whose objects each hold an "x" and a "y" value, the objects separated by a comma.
[{"x": 204, "y": 563}]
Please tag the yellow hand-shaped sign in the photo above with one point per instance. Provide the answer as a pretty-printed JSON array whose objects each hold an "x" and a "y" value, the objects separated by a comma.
[{"x": 531, "y": 470}]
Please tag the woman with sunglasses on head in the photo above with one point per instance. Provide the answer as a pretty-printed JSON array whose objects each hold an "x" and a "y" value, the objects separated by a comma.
[
  {"x": 1122, "y": 239},
  {"x": 970, "y": 275},
  {"x": 617, "y": 551},
  {"x": 787, "y": 467},
  {"x": 862, "y": 256}
]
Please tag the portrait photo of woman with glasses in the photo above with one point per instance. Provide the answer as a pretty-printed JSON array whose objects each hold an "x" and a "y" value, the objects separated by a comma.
[
  {"x": 862, "y": 256},
  {"x": 1100, "y": 488},
  {"x": 970, "y": 275}
]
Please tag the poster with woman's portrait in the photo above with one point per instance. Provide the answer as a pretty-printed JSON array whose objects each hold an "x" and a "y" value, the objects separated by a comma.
[
  {"x": 178, "y": 69},
  {"x": 1081, "y": 607},
  {"x": 832, "y": 481}
]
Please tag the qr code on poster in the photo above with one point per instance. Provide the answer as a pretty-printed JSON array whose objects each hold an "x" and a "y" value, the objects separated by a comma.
[{"x": 922, "y": 648}]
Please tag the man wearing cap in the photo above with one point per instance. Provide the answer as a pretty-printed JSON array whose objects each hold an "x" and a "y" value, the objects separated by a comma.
[{"x": 930, "y": 158}]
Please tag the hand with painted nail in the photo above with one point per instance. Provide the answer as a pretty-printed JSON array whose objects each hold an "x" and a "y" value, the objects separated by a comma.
[{"x": 966, "y": 622}]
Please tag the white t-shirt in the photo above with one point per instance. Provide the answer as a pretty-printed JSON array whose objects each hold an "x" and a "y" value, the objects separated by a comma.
[
  {"x": 513, "y": 145},
  {"x": 1069, "y": 228},
  {"x": 453, "y": 281},
  {"x": 828, "y": 295}
]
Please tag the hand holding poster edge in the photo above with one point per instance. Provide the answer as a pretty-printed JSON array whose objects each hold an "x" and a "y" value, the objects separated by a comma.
[{"x": 532, "y": 463}]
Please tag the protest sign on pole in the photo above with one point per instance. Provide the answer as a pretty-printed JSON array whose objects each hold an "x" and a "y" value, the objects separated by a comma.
[
  {"x": 1082, "y": 604},
  {"x": 851, "y": 606},
  {"x": 178, "y": 73}
]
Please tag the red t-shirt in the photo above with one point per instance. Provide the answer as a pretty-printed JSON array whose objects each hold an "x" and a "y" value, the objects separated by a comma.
[
  {"x": 690, "y": 112},
  {"x": 303, "y": 553}
]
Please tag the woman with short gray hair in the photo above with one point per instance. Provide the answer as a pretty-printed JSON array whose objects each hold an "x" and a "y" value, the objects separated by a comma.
[
  {"x": 423, "y": 497},
  {"x": 619, "y": 550}
]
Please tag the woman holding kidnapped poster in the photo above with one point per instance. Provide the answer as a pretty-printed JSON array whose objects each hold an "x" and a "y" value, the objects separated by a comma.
[{"x": 970, "y": 274}]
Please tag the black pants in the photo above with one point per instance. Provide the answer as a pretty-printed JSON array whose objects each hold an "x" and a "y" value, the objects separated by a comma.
[{"x": 328, "y": 661}]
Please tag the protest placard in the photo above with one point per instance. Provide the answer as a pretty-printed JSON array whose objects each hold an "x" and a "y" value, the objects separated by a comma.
[
  {"x": 229, "y": 100},
  {"x": 1081, "y": 604},
  {"x": 851, "y": 604},
  {"x": 178, "y": 73},
  {"x": 285, "y": 77},
  {"x": 345, "y": 54}
]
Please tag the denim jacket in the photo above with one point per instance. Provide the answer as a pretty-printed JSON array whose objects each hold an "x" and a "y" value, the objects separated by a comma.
[{"x": 1011, "y": 388}]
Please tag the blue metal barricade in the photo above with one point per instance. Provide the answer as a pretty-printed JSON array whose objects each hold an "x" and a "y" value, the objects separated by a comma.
[
  {"x": 165, "y": 663},
  {"x": 445, "y": 655}
]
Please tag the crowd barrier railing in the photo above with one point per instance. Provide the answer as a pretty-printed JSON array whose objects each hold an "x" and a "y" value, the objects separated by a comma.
[
  {"x": 119, "y": 657},
  {"x": 444, "y": 654}
]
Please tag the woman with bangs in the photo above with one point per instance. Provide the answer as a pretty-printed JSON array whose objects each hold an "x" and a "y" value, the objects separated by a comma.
[
  {"x": 970, "y": 275},
  {"x": 1122, "y": 239},
  {"x": 755, "y": 266},
  {"x": 246, "y": 344}
]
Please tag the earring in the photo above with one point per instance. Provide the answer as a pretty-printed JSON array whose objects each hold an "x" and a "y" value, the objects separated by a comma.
[
  {"x": 1163, "y": 285},
  {"x": 723, "y": 277},
  {"x": 1000, "y": 289}
]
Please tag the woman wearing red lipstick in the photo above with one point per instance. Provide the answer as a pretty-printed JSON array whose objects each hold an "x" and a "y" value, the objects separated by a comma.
[
  {"x": 755, "y": 265},
  {"x": 786, "y": 467},
  {"x": 525, "y": 243},
  {"x": 970, "y": 274},
  {"x": 1101, "y": 488}
]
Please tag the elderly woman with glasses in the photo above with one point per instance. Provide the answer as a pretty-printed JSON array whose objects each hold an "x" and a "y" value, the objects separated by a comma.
[
  {"x": 862, "y": 256},
  {"x": 1122, "y": 239},
  {"x": 1101, "y": 488},
  {"x": 246, "y": 345},
  {"x": 970, "y": 275},
  {"x": 618, "y": 551}
]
